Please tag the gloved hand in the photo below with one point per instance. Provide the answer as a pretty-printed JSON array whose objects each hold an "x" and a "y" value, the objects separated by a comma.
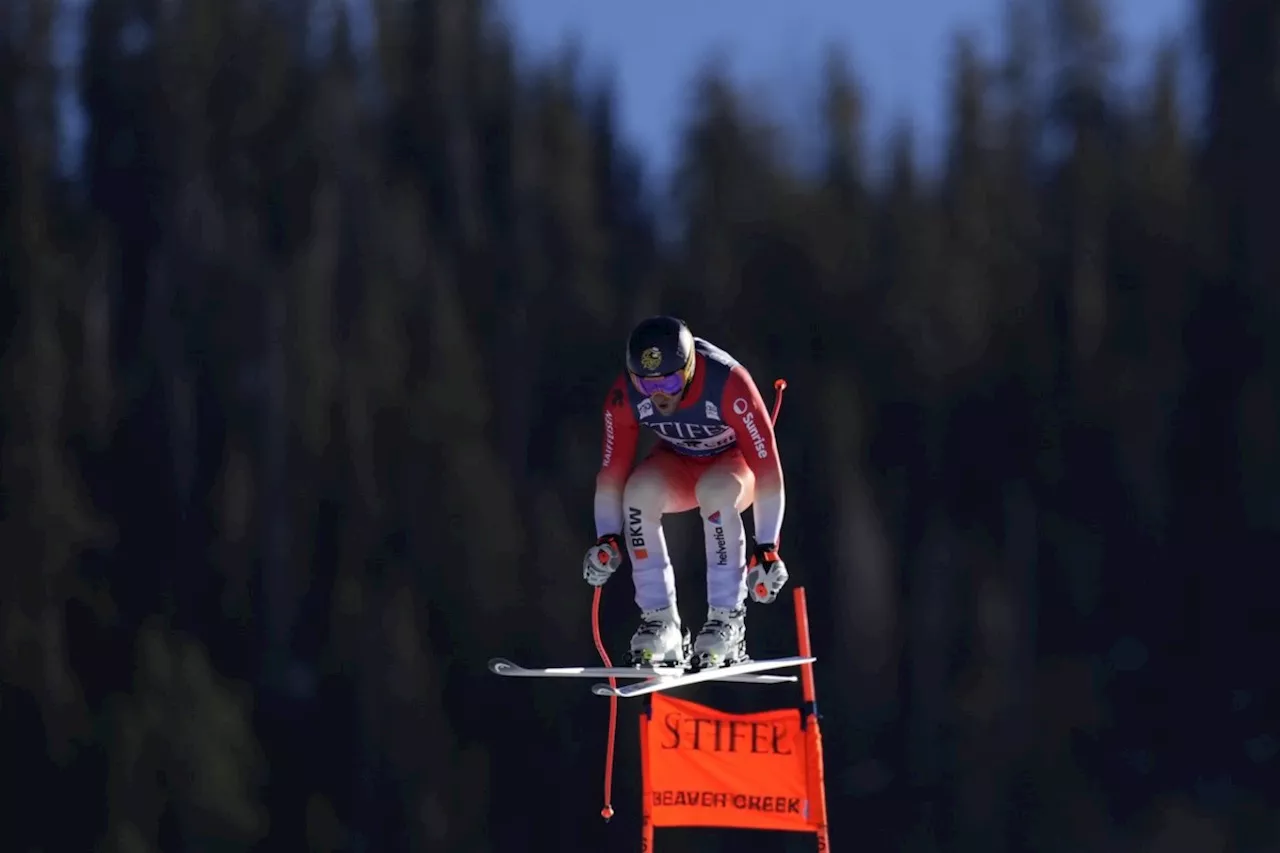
[
  {"x": 766, "y": 573},
  {"x": 602, "y": 559}
]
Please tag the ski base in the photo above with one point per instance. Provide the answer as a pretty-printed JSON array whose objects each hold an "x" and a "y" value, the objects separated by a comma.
[
  {"x": 734, "y": 672},
  {"x": 504, "y": 667}
]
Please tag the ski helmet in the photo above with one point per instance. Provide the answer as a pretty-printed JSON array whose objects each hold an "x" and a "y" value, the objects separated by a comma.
[{"x": 660, "y": 356}]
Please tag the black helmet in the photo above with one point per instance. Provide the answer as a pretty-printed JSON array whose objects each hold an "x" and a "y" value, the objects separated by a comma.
[{"x": 660, "y": 348}]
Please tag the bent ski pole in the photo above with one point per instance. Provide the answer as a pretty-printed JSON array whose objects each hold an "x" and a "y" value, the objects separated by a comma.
[{"x": 779, "y": 385}]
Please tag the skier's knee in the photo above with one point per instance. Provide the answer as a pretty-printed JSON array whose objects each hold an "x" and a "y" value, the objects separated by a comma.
[
  {"x": 645, "y": 490},
  {"x": 719, "y": 490}
]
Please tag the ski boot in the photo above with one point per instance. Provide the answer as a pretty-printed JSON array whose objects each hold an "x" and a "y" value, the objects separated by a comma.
[
  {"x": 722, "y": 640},
  {"x": 660, "y": 640}
]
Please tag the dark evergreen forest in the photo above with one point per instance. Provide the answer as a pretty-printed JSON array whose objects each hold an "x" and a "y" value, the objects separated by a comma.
[{"x": 301, "y": 388}]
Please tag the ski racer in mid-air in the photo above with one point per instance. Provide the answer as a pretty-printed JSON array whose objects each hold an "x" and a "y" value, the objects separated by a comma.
[{"x": 717, "y": 453}]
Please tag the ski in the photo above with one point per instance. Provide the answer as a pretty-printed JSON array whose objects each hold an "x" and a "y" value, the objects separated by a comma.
[
  {"x": 735, "y": 672},
  {"x": 502, "y": 666}
]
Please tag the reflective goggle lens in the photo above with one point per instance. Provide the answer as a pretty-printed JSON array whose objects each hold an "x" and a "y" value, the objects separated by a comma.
[{"x": 670, "y": 384}]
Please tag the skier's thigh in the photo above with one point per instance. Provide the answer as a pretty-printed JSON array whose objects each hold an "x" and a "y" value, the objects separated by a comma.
[
  {"x": 660, "y": 484},
  {"x": 726, "y": 482}
]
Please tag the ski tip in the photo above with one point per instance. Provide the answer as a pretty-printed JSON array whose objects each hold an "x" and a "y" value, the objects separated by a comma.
[
  {"x": 604, "y": 690},
  {"x": 502, "y": 666}
]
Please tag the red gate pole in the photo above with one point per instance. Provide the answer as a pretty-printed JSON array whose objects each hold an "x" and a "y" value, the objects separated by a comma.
[{"x": 817, "y": 775}]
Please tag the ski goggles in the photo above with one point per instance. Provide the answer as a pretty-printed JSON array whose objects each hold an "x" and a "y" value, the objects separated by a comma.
[{"x": 669, "y": 384}]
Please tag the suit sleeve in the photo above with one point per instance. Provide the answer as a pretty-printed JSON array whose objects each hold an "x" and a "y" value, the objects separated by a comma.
[
  {"x": 745, "y": 411},
  {"x": 621, "y": 435}
]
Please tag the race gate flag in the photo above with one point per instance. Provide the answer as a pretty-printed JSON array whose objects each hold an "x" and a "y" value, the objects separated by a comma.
[{"x": 704, "y": 767}]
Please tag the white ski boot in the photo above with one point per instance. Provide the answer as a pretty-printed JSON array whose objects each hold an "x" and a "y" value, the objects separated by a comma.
[
  {"x": 722, "y": 640},
  {"x": 659, "y": 641}
]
